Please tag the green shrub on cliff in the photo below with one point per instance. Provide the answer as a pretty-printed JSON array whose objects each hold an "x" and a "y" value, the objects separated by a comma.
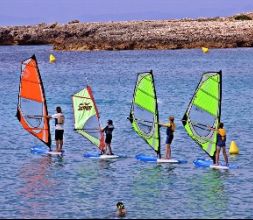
[{"x": 242, "y": 17}]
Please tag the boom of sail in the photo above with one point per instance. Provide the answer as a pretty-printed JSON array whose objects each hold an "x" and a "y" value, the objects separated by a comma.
[
  {"x": 144, "y": 115},
  {"x": 86, "y": 117},
  {"x": 32, "y": 106},
  {"x": 204, "y": 111}
]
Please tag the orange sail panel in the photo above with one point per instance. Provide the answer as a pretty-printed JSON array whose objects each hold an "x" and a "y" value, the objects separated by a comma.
[{"x": 32, "y": 107}]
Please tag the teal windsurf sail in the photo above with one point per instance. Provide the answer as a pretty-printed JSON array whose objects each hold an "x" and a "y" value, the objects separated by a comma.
[
  {"x": 204, "y": 110},
  {"x": 144, "y": 115},
  {"x": 86, "y": 117}
]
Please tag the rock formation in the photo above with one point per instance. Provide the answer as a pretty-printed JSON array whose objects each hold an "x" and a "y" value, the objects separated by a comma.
[{"x": 236, "y": 31}]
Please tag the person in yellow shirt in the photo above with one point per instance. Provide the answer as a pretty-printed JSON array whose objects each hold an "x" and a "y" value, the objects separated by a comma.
[
  {"x": 171, "y": 127},
  {"x": 221, "y": 143}
]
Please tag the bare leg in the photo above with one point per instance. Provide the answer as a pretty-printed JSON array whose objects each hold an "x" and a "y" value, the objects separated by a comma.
[
  {"x": 225, "y": 155},
  {"x": 168, "y": 152},
  {"x": 110, "y": 149},
  {"x": 57, "y": 144},
  {"x": 217, "y": 155},
  {"x": 60, "y": 145},
  {"x": 105, "y": 149}
]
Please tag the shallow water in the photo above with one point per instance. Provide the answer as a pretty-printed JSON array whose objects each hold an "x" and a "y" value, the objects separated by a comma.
[{"x": 33, "y": 186}]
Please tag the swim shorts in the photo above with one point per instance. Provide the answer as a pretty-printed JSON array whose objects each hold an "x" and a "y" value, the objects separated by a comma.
[{"x": 59, "y": 134}]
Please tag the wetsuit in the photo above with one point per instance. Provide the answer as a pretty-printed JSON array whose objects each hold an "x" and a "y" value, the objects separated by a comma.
[
  {"x": 170, "y": 134},
  {"x": 108, "y": 131}
]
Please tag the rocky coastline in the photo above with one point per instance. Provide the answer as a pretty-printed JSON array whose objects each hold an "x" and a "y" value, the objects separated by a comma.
[{"x": 217, "y": 32}]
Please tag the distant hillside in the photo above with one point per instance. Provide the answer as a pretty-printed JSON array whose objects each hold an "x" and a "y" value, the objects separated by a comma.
[{"x": 218, "y": 32}]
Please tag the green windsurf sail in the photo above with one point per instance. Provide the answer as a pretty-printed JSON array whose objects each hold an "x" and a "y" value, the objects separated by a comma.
[
  {"x": 144, "y": 111},
  {"x": 205, "y": 110},
  {"x": 86, "y": 117}
]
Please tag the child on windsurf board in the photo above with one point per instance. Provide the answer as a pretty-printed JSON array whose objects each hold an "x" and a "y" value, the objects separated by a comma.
[
  {"x": 171, "y": 127},
  {"x": 221, "y": 143},
  {"x": 108, "y": 139},
  {"x": 59, "y": 128}
]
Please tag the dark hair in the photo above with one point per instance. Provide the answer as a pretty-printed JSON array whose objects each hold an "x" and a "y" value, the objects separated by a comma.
[
  {"x": 58, "y": 109},
  {"x": 110, "y": 122},
  {"x": 171, "y": 118},
  {"x": 120, "y": 205},
  {"x": 221, "y": 125}
]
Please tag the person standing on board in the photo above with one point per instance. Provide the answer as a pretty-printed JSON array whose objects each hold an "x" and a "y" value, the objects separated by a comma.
[
  {"x": 171, "y": 127},
  {"x": 108, "y": 139},
  {"x": 221, "y": 143},
  {"x": 59, "y": 128}
]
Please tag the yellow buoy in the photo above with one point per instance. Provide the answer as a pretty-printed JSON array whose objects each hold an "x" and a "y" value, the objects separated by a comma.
[
  {"x": 233, "y": 148},
  {"x": 204, "y": 49},
  {"x": 52, "y": 58}
]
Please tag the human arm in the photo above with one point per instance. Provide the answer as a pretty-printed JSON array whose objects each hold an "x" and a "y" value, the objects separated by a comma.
[
  {"x": 103, "y": 129},
  {"x": 164, "y": 125},
  {"x": 212, "y": 128}
]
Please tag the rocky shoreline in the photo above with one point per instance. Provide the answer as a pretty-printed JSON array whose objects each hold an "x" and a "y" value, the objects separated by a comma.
[{"x": 163, "y": 34}]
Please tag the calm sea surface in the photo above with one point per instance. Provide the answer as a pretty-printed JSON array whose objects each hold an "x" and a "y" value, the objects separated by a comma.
[{"x": 34, "y": 186}]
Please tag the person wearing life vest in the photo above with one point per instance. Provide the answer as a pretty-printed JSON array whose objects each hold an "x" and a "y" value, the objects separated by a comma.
[
  {"x": 59, "y": 128},
  {"x": 221, "y": 143},
  {"x": 171, "y": 127}
]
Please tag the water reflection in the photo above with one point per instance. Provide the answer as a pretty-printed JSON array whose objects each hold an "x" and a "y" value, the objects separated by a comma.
[
  {"x": 37, "y": 186},
  {"x": 210, "y": 192},
  {"x": 152, "y": 182}
]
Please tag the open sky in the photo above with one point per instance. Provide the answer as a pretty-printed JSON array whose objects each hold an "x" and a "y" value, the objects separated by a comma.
[{"x": 20, "y": 12}]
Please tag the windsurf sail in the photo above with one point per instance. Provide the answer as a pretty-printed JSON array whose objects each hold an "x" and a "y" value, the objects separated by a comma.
[
  {"x": 86, "y": 115},
  {"x": 32, "y": 106},
  {"x": 204, "y": 111},
  {"x": 144, "y": 111}
]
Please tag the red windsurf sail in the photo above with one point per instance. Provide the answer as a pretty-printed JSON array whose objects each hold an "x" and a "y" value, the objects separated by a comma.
[{"x": 32, "y": 107}]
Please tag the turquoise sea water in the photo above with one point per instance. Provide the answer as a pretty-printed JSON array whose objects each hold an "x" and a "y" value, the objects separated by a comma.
[{"x": 33, "y": 186}]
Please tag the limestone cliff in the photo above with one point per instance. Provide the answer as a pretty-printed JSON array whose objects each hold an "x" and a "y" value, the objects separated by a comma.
[{"x": 218, "y": 32}]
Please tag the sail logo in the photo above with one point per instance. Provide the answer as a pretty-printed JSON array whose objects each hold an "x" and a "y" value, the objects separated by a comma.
[{"x": 84, "y": 106}]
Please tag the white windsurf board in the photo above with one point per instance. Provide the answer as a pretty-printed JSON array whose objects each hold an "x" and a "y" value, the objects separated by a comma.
[
  {"x": 105, "y": 156},
  {"x": 162, "y": 160},
  {"x": 54, "y": 153},
  {"x": 220, "y": 167}
]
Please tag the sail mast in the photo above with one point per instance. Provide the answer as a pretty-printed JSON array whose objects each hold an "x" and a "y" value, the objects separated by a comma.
[{"x": 157, "y": 121}]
